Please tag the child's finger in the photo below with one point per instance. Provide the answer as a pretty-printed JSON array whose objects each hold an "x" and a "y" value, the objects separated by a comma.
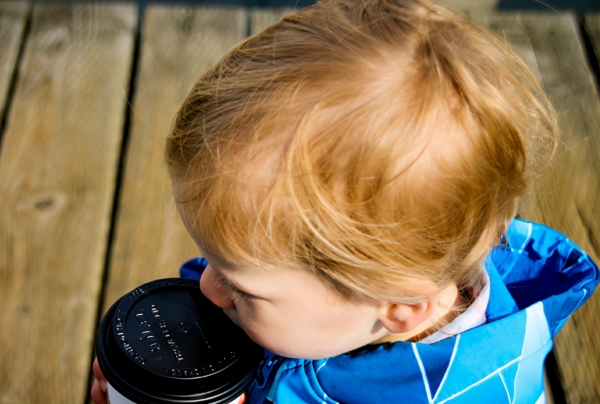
[
  {"x": 99, "y": 387},
  {"x": 99, "y": 395},
  {"x": 97, "y": 372}
]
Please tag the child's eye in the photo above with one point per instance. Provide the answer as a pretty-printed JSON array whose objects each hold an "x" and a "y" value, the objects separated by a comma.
[{"x": 233, "y": 293}]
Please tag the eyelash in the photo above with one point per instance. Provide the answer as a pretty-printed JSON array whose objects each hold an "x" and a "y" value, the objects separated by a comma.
[{"x": 233, "y": 293}]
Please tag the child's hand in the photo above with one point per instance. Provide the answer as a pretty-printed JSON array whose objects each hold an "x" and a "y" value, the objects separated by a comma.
[{"x": 99, "y": 395}]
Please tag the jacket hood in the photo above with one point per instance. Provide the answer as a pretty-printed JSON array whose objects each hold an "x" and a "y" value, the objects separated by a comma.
[{"x": 539, "y": 264}]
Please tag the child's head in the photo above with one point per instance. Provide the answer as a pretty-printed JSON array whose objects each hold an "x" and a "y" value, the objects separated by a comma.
[{"x": 372, "y": 143}]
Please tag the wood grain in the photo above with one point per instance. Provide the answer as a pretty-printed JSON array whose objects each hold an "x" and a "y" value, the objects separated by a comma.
[
  {"x": 469, "y": 7},
  {"x": 261, "y": 18},
  {"x": 567, "y": 198},
  {"x": 178, "y": 46},
  {"x": 57, "y": 176},
  {"x": 13, "y": 15}
]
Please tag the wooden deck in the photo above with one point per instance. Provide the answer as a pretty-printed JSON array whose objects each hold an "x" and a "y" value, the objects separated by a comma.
[{"x": 85, "y": 208}]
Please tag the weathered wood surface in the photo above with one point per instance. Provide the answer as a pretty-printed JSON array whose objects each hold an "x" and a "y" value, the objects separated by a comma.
[
  {"x": 261, "y": 18},
  {"x": 567, "y": 197},
  {"x": 178, "y": 45},
  {"x": 57, "y": 177},
  {"x": 469, "y": 7},
  {"x": 12, "y": 23}
]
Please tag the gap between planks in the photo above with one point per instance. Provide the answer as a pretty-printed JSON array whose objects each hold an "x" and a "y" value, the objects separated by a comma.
[{"x": 13, "y": 25}]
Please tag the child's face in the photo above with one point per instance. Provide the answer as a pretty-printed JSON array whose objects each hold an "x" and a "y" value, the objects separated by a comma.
[
  {"x": 290, "y": 312},
  {"x": 293, "y": 313},
  {"x": 287, "y": 311}
]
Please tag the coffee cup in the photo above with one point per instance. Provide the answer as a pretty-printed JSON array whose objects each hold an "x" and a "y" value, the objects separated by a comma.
[{"x": 164, "y": 342}]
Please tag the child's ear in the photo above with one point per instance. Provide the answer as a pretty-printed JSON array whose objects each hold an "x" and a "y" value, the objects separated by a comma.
[{"x": 402, "y": 317}]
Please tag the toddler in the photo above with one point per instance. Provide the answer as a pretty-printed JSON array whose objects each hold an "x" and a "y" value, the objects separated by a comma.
[{"x": 351, "y": 176}]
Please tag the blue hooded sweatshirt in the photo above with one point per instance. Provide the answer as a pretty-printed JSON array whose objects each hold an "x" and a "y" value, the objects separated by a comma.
[{"x": 538, "y": 278}]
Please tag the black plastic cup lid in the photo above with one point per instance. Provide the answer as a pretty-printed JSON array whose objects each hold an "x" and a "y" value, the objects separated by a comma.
[{"x": 164, "y": 342}]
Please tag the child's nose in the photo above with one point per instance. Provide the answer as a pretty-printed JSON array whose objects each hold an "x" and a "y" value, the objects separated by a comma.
[{"x": 209, "y": 286}]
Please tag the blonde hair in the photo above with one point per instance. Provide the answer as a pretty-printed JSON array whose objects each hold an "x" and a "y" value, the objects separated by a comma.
[{"x": 372, "y": 142}]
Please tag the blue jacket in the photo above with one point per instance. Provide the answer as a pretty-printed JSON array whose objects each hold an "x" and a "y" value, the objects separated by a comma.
[{"x": 538, "y": 279}]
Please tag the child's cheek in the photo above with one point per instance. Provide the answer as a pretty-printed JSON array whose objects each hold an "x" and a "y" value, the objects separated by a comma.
[
  {"x": 233, "y": 316},
  {"x": 244, "y": 319}
]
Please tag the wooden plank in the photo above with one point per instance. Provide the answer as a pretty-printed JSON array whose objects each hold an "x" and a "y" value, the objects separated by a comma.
[
  {"x": 57, "y": 177},
  {"x": 567, "y": 197},
  {"x": 178, "y": 46},
  {"x": 469, "y": 7},
  {"x": 13, "y": 15},
  {"x": 261, "y": 18}
]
